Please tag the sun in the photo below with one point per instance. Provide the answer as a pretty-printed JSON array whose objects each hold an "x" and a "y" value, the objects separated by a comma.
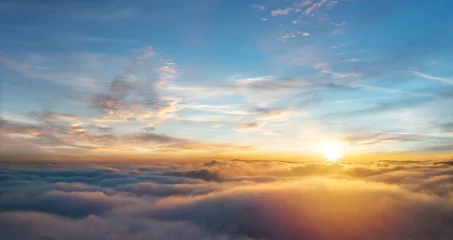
[{"x": 332, "y": 151}]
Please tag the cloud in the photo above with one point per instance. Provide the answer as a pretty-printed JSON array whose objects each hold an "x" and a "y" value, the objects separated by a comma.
[
  {"x": 115, "y": 103},
  {"x": 391, "y": 105},
  {"x": 272, "y": 113},
  {"x": 336, "y": 32},
  {"x": 297, "y": 21},
  {"x": 83, "y": 203},
  {"x": 148, "y": 129},
  {"x": 314, "y": 7},
  {"x": 76, "y": 79},
  {"x": 163, "y": 190},
  {"x": 447, "y": 127},
  {"x": 152, "y": 137},
  {"x": 35, "y": 225},
  {"x": 167, "y": 72},
  {"x": 306, "y": 8},
  {"x": 232, "y": 199},
  {"x": 50, "y": 133},
  {"x": 50, "y": 115},
  {"x": 429, "y": 77},
  {"x": 338, "y": 24},
  {"x": 389, "y": 137},
  {"x": 259, "y": 7},
  {"x": 11, "y": 126},
  {"x": 100, "y": 127},
  {"x": 134, "y": 97},
  {"x": 123, "y": 85},
  {"x": 203, "y": 174},
  {"x": 10, "y": 63},
  {"x": 292, "y": 34},
  {"x": 258, "y": 87},
  {"x": 439, "y": 148},
  {"x": 130, "y": 95},
  {"x": 315, "y": 209},
  {"x": 279, "y": 12},
  {"x": 110, "y": 106},
  {"x": 167, "y": 143},
  {"x": 250, "y": 125}
]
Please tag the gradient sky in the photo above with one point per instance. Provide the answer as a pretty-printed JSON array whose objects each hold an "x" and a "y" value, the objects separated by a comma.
[{"x": 229, "y": 77}]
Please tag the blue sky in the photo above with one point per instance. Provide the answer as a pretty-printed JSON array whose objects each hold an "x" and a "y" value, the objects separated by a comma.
[{"x": 157, "y": 77}]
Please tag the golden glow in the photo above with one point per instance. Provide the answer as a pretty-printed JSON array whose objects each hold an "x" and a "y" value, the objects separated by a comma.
[{"x": 332, "y": 151}]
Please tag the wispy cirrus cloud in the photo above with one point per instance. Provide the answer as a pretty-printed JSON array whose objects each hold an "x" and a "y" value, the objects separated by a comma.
[
  {"x": 292, "y": 34},
  {"x": 278, "y": 12},
  {"x": 308, "y": 8},
  {"x": 274, "y": 113},
  {"x": 167, "y": 72},
  {"x": 429, "y": 77},
  {"x": 52, "y": 133},
  {"x": 167, "y": 143},
  {"x": 259, "y": 7},
  {"x": 315, "y": 6}
]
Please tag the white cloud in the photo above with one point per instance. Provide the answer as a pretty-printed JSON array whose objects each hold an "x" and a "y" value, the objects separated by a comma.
[
  {"x": 278, "y": 12},
  {"x": 345, "y": 75},
  {"x": 304, "y": 3},
  {"x": 298, "y": 21},
  {"x": 380, "y": 89},
  {"x": 308, "y": 8},
  {"x": 314, "y": 7},
  {"x": 167, "y": 72},
  {"x": 338, "y": 24},
  {"x": 246, "y": 81},
  {"x": 225, "y": 109},
  {"x": 292, "y": 34},
  {"x": 430, "y": 77}
]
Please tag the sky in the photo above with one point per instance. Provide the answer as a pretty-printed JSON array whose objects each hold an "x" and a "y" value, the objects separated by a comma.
[
  {"x": 225, "y": 79},
  {"x": 226, "y": 119}
]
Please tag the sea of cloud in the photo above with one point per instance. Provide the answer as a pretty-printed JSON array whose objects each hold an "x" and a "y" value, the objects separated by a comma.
[{"x": 227, "y": 200}]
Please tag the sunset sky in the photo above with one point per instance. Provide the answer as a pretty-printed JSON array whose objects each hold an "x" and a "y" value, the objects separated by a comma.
[
  {"x": 229, "y": 79},
  {"x": 226, "y": 120}
]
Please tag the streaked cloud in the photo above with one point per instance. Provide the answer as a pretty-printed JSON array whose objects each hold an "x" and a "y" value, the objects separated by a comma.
[
  {"x": 259, "y": 7},
  {"x": 429, "y": 77},
  {"x": 314, "y": 7},
  {"x": 278, "y": 12}
]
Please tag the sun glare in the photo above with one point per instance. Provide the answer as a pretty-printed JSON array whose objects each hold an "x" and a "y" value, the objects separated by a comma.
[{"x": 332, "y": 151}]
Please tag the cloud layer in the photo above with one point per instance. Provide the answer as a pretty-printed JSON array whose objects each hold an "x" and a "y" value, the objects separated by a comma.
[{"x": 228, "y": 200}]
